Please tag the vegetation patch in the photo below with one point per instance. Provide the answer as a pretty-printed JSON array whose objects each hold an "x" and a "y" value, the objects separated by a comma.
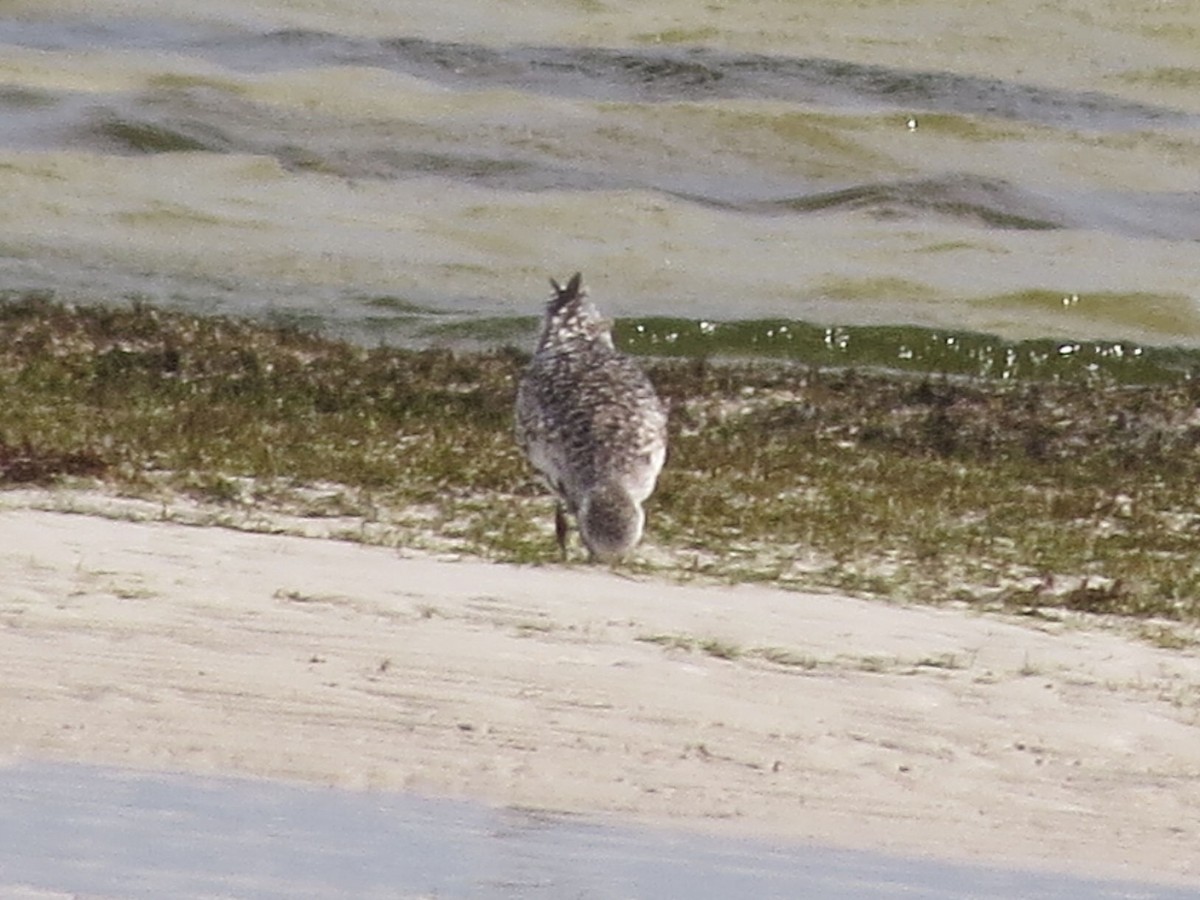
[
  {"x": 28, "y": 464},
  {"x": 1073, "y": 491}
]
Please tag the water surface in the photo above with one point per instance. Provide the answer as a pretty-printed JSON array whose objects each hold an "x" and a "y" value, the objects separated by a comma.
[
  {"x": 385, "y": 172},
  {"x": 99, "y": 832}
]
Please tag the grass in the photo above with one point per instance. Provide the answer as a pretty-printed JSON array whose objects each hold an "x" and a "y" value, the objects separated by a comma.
[
  {"x": 1074, "y": 493},
  {"x": 714, "y": 647},
  {"x": 876, "y": 665}
]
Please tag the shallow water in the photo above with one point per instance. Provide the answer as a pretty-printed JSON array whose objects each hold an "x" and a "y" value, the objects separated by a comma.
[
  {"x": 397, "y": 175},
  {"x": 98, "y": 832}
]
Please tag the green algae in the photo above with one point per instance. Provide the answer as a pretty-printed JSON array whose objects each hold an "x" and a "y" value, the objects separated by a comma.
[{"x": 906, "y": 348}]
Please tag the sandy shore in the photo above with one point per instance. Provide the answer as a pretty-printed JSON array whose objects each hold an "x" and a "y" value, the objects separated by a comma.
[{"x": 809, "y": 717}]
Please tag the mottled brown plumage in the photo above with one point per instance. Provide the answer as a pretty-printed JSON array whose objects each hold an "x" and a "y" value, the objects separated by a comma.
[{"x": 591, "y": 423}]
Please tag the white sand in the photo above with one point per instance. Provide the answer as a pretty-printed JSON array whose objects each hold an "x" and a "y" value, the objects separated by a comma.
[{"x": 1066, "y": 746}]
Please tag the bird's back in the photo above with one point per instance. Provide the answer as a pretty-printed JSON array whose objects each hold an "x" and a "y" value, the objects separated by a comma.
[{"x": 587, "y": 414}]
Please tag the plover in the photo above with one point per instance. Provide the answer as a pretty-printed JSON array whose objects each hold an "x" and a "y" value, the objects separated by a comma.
[{"x": 591, "y": 423}]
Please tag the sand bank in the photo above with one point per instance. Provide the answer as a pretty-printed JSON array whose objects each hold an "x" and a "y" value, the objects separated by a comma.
[{"x": 803, "y": 717}]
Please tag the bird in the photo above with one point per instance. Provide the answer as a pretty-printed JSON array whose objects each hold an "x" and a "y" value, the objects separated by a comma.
[{"x": 590, "y": 422}]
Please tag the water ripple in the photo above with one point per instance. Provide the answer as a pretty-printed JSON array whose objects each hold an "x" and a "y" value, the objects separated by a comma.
[
  {"x": 600, "y": 73},
  {"x": 698, "y": 73}
]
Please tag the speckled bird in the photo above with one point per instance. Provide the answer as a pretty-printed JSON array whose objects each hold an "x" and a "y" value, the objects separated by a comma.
[{"x": 591, "y": 423}]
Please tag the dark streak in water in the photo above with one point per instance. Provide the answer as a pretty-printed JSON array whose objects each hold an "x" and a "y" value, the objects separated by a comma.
[
  {"x": 685, "y": 73},
  {"x": 701, "y": 74},
  {"x": 990, "y": 201},
  {"x": 148, "y": 137},
  {"x": 20, "y": 98}
]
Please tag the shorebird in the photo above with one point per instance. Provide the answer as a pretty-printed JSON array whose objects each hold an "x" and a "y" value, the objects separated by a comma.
[{"x": 591, "y": 423}]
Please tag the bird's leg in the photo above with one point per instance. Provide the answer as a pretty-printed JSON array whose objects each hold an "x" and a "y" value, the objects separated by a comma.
[{"x": 560, "y": 528}]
